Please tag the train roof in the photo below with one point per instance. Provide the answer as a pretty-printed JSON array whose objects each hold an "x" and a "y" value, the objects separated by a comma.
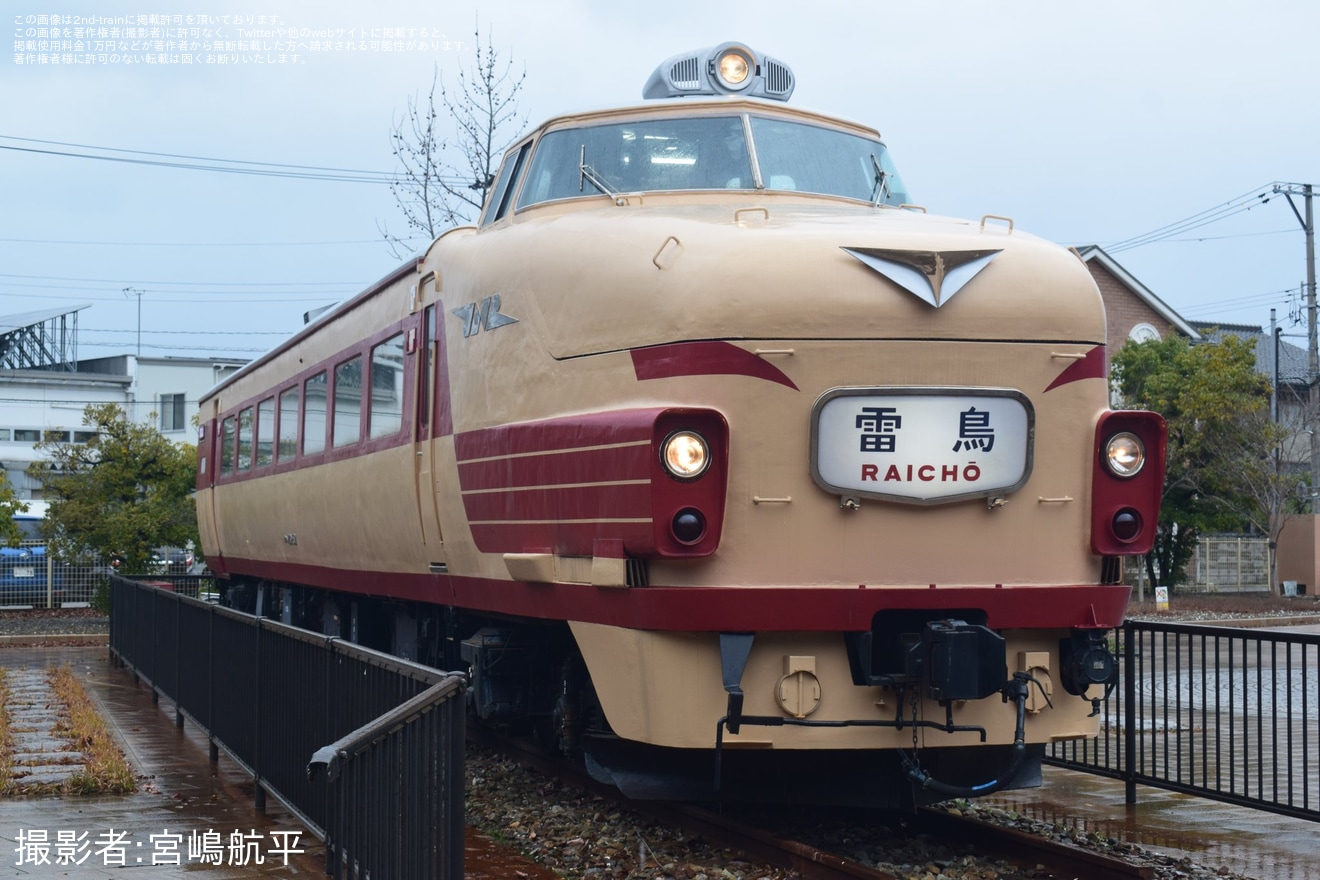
[
  {"x": 407, "y": 268},
  {"x": 700, "y": 106}
]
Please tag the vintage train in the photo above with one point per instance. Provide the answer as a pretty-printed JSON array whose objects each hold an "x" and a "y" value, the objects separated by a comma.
[{"x": 710, "y": 457}]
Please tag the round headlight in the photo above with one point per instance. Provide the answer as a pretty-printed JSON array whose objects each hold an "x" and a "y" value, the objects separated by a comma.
[
  {"x": 685, "y": 454},
  {"x": 734, "y": 69},
  {"x": 1125, "y": 455}
]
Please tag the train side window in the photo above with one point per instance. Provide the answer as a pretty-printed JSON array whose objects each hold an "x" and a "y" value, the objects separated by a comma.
[
  {"x": 226, "y": 450},
  {"x": 387, "y": 387},
  {"x": 348, "y": 402},
  {"x": 315, "y": 394},
  {"x": 245, "y": 439},
  {"x": 501, "y": 194},
  {"x": 265, "y": 431},
  {"x": 288, "y": 444}
]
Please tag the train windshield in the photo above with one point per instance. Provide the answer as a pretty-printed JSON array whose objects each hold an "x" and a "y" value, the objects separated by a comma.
[
  {"x": 808, "y": 158},
  {"x": 709, "y": 153}
]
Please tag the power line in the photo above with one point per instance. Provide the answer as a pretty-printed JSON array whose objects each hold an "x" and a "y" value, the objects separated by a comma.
[
  {"x": 354, "y": 284},
  {"x": 199, "y": 244},
  {"x": 1203, "y": 238},
  {"x": 227, "y": 166},
  {"x": 82, "y": 330},
  {"x": 1246, "y": 299},
  {"x": 217, "y": 297},
  {"x": 1237, "y": 205},
  {"x": 163, "y": 347},
  {"x": 185, "y": 156}
]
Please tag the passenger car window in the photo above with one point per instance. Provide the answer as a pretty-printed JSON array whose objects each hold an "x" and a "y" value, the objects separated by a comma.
[
  {"x": 245, "y": 439},
  {"x": 387, "y": 387},
  {"x": 348, "y": 402},
  {"x": 288, "y": 445},
  {"x": 315, "y": 396},
  {"x": 226, "y": 450},
  {"x": 265, "y": 431}
]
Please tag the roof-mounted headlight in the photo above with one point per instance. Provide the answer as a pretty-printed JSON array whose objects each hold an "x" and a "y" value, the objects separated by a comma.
[
  {"x": 733, "y": 68},
  {"x": 726, "y": 69}
]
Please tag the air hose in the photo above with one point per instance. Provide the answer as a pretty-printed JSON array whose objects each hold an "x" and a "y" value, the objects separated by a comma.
[{"x": 1015, "y": 690}]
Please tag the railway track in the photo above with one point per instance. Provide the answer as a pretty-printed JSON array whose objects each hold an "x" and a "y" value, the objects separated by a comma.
[{"x": 1005, "y": 853}]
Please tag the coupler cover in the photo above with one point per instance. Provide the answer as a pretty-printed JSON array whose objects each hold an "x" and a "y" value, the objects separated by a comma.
[{"x": 960, "y": 661}]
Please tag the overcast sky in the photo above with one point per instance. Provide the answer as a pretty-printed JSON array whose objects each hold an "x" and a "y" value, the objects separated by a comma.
[{"x": 1086, "y": 123}]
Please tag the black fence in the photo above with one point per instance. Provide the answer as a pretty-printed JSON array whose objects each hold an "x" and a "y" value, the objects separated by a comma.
[
  {"x": 272, "y": 696},
  {"x": 1226, "y": 714},
  {"x": 391, "y": 812}
]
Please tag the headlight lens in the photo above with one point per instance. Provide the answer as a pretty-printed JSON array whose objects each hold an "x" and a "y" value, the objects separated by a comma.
[
  {"x": 1125, "y": 455},
  {"x": 686, "y": 454},
  {"x": 734, "y": 68}
]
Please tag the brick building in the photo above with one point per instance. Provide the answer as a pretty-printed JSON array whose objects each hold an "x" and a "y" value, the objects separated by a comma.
[{"x": 1132, "y": 311}]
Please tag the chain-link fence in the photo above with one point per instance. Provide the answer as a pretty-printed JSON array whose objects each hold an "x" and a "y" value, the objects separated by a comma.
[
  {"x": 1230, "y": 564},
  {"x": 32, "y": 578},
  {"x": 1220, "y": 564}
]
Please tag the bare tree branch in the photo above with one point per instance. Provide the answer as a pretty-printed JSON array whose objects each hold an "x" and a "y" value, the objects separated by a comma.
[{"x": 442, "y": 182}]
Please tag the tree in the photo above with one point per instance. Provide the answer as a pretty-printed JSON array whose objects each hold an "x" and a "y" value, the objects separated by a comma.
[
  {"x": 9, "y": 505},
  {"x": 125, "y": 491},
  {"x": 1221, "y": 470},
  {"x": 442, "y": 181}
]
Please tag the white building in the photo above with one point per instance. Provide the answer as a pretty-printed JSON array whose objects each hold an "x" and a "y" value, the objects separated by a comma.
[{"x": 44, "y": 389}]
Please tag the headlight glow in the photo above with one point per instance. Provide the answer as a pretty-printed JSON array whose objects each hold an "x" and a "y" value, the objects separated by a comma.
[
  {"x": 1125, "y": 455},
  {"x": 734, "y": 68},
  {"x": 685, "y": 454}
]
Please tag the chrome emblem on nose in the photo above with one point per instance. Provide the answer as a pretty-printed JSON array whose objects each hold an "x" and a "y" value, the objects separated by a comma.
[{"x": 933, "y": 276}]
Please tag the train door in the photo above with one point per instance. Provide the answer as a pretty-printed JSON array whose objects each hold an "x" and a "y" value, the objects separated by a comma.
[
  {"x": 425, "y": 430},
  {"x": 209, "y": 448}
]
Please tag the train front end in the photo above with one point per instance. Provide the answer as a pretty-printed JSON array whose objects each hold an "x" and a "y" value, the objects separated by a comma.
[{"x": 841, "y": 477}]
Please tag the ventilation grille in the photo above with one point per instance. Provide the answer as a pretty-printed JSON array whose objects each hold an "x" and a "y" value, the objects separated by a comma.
[
  {"x": 1111, "y": 570},
  {"x": 686, "y": 73},
  {"x": 639, "y": 575},
  {"x": 778, "y": 78}
]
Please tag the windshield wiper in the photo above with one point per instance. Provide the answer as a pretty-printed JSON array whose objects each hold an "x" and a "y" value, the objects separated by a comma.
[
  {"x": 881, "y": 190},
  {"x": 587, "y": 174}
]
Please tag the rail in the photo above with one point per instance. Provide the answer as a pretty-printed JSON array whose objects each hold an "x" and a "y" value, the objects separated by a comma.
[
  {"x": 272, "y": 695},
  {"x": 1227, "y": 714}
]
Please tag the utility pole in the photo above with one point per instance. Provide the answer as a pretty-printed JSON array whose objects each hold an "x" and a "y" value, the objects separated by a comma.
[
  {"x": 1313, "y": 351},
  {"x": 138, "y": 293},
  {"x": 137, "y": 362}
]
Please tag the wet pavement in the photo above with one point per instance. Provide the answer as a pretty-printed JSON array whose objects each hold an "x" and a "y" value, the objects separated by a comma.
[
  {"x": 185, "y": 800},
  {"x": 1250, "y": 842},
  {"x": 190, "y": 817}
]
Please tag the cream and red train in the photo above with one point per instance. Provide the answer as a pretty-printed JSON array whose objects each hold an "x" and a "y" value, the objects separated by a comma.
[{"x": 710, "y": 456}]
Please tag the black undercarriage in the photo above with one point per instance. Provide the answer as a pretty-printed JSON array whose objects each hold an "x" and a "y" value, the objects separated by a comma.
[{"x": 526, "y": 677}]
